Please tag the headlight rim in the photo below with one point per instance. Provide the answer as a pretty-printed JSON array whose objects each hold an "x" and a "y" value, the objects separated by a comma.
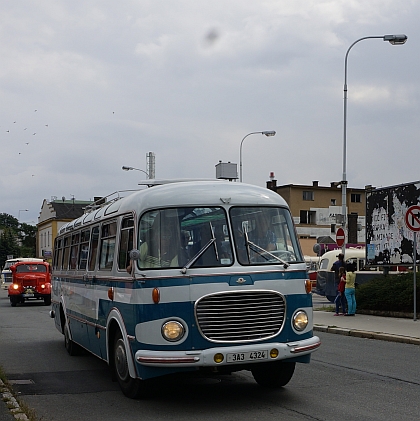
[
  {"x": 295, "y": 324},
  {"x": 179, "y": 337}
]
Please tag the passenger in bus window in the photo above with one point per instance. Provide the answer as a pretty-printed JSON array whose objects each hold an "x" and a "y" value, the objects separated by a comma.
[
  {"x": 263, "y": 236},
  {"x": 184, "y": 254},
  {"x": 159, "y": 250}
]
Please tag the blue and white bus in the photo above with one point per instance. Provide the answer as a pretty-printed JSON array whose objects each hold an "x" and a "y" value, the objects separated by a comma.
[{"x": 185, "y": 276}]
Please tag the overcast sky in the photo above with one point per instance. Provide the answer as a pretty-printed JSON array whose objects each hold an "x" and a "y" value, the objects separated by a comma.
[{"x": 89, "y": 86}]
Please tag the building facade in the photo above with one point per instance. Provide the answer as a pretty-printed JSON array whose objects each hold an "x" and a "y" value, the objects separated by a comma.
[
  {"x": 316, "y": 211},
  {"x": 52, "y": 217}
]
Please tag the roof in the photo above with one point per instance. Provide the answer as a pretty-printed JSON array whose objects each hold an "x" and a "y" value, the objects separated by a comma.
[{"x": 69, "y": 210}]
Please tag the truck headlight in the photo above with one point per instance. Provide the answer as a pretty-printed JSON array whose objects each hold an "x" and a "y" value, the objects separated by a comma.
[
  {"x": 173, "y": 331},
  {"x": 300, "y": 320}
]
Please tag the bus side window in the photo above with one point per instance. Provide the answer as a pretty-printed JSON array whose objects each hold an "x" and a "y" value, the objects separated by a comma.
[
  {"x": 74, "y": 251},
  {"x": 66, "y": 253},
  {"x": 93, "y": 248},
  {"x": 126, "y": 242},
  {"x": 58, "y": 254},
  {"x": 108, "y": 240},
  {"x": 84, "y": 249}
]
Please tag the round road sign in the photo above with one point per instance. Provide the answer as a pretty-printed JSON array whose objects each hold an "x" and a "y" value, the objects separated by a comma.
[
  {"x": 412, "y": 218},
  {"x": 340, "y": 236}
]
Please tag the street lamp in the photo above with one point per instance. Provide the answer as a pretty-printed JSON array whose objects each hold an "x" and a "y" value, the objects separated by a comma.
[
  {"x": 267, "y": 133},
  {"x": 394, "y": 40},
  {"x": 132, "y": 168},
  {"x": 21, "y": 210}
]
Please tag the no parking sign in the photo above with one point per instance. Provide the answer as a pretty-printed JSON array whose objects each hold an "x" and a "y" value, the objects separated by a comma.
[{"x": 412, "y": 220}]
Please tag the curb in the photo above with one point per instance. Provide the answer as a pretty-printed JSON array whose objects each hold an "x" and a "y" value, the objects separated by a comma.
[
  {"x": 11, "y": 403},
  {"x": 368, "y": 335}
]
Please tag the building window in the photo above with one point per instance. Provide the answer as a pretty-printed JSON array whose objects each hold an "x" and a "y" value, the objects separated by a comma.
[
  {"x": 307, "y": 217},
  {"x": 333, "y": 202},
  {"x": 308, "y": 195},
  {"x": 332, "y": 228},
  {"x": 356, "y": 198}
]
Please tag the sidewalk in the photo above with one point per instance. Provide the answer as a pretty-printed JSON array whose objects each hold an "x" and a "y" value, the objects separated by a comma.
[{"x": 368, "y": 326}]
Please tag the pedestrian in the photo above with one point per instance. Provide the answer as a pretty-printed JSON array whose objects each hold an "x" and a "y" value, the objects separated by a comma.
[
  {"x": 340, "y": 299},
  {"x": 350, "y": 290},
  {"x": 336, "y": 269}
]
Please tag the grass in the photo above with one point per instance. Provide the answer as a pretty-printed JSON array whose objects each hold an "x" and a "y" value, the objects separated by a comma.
[{"x": 23, "y": 407}]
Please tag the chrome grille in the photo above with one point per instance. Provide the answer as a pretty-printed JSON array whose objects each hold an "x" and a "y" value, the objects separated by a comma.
[{"x": 240, "y": 316}]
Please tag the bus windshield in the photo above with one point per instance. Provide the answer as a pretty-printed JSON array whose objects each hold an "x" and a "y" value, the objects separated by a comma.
[
  {"x": 263, "y": 235},
  {"x": 199, "y": 237}
]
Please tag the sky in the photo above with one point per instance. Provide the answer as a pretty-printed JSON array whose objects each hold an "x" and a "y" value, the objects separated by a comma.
[{"x": 89, "y": 86}]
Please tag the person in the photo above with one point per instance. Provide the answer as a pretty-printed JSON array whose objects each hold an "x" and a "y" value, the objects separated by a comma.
[
  {"x": 264, "y": 237},
  {"x": 184, "y": 253},
  {"x": 161, "y": 251},
  {"x": 340, "y": 299},
  {"x": 350, "y": 290}
]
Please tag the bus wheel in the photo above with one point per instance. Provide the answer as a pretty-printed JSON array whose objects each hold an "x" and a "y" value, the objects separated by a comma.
[
  {"x": 47, "y": 301},
  {"x": 13, "y": 301},
  {"x": 273, "y": 375},
  {"x": 132, "y": 388},
  {"x": 72, "y": 348}
]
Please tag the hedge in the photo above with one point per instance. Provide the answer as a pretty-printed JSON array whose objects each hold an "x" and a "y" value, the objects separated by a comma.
[{"x": 389, "y": 293}]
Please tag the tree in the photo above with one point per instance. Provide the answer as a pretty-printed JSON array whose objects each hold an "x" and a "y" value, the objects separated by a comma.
[
  {"x": 16, "y": 239},
  {"x": 8, "y": 245},
  {"x": 8, "y": 221}
]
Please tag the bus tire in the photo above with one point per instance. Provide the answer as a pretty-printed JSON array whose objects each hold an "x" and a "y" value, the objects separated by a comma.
[
  {"x": 47, "y": 301},
  {"x": 13, "y": 301},
  {"x": 72, "y": 348},
  {"x": 132, "y": 388},
  {"x": 273, "y": 375}
]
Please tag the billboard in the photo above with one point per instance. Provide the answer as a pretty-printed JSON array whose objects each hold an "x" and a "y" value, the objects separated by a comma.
[{"x": 389, "y": 241}]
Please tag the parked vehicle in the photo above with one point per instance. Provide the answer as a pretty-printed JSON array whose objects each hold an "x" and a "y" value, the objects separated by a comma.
[
  {"x": 6, "y": 273},
  {"x": 325, "y": 284},
  {"x": 30, "y": 280},
  {"x": 312, "y": 265},
  {"x": 186, "y": 276}
]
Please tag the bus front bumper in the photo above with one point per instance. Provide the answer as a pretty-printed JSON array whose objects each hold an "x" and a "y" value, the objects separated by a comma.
[{"x": 229, "y": 355}]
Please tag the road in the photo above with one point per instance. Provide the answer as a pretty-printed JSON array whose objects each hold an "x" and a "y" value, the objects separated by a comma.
[{"x": 349, "y": 378}]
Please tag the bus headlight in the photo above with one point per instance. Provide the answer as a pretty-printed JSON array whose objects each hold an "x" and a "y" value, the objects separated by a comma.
[
  {"x": 300, "y": 320},
  {"x": 173, "y": 331}
]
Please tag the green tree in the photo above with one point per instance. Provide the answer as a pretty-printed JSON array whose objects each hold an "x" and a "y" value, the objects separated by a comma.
[
  {"x": 9, "y": 221},
  {"x": 16, "y": 239},
  {"x": 8, "y": 245}
]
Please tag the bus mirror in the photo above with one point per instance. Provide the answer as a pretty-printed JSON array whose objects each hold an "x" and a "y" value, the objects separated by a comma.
[{"x": 134, "y": 254}]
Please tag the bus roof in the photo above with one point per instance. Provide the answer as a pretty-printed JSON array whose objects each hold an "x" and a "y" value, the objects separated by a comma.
[{"x": 183, "y": 194}]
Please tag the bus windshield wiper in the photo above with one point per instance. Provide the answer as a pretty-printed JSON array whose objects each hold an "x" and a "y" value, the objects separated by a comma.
[
  {"x": 202, "y": 251},
  {"x": 262, "y": 252}
]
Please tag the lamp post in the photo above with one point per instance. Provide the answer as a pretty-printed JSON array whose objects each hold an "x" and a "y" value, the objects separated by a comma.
[
  {"x": 266, "y": 133},
  {"x": 137, "y": 169},
  {"x": 21, "y": 210},
  {"x": 394, "y": 40}
]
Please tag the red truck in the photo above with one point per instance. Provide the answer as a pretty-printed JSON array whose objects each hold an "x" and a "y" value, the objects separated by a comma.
[{"x": 30, "y": 280}]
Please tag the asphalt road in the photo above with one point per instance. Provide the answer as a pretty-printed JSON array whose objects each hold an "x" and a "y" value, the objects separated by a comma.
[{"x": 348, "y": 379}]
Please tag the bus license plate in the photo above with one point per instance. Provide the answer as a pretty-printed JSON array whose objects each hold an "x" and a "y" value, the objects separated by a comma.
[
  {"x": 239, "y": 357},
  {"x": 27, "y": 295}
]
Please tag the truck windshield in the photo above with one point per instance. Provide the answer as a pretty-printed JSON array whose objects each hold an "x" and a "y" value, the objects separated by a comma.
[{"x": 31, "y": 268}]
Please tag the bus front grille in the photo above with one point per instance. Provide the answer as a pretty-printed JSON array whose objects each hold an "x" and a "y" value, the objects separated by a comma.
[{"x": 240, "y": 316}]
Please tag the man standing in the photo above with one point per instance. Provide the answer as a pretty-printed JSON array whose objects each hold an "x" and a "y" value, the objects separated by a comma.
[{"x": 336, "y": 268}]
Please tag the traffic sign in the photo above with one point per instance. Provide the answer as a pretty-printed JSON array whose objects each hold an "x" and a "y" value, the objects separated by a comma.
[
  {"x": 340, "y": 236},
  {"x": 412, "y": 218}
]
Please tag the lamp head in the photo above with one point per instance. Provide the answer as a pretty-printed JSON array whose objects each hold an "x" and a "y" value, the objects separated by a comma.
[
  {"x": 126, "y": 168},
  {"x": 396, "y": 39},
  {"x": 269, "y": 133}
]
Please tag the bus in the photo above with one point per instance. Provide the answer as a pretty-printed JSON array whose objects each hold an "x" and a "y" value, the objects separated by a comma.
[
  {"x": 6, "y": 273},
  {"x": 187, "y": 276}
]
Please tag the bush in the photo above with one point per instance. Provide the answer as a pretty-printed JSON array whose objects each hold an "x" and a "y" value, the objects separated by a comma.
[{"x": 389, "y": 293}]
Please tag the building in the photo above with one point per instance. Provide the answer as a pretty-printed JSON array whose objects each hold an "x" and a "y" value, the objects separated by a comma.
[
  {"x": 316, "y": 211},
  {"x": 52, "y": 217}
]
